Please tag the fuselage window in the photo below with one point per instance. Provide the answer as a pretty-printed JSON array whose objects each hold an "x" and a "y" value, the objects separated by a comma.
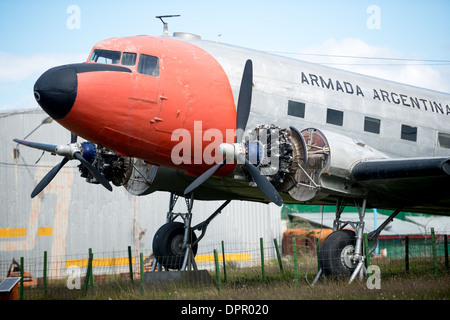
[
  {"x": 148, "y": 65},
  {"x": 409, "y": 133},
  {"x": 335, "y": 117},
  {"x": 444, "y": 140},
  {"x": 372, "y": 125},
  {"x": 296, "y": 109},
  {"x": 105, "y": 56},
  {"x": 129, "y": 59}
]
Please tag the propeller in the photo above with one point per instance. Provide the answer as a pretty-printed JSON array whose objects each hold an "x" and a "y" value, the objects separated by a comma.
[
  {"x": 238, "y": 148},
  {"x": 69, "y": 152}
]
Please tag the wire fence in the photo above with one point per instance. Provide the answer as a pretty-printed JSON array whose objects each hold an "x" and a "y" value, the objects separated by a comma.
[{"x": 404, "y": 254}]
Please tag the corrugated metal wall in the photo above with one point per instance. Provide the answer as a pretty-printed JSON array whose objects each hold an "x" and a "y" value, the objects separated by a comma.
[{"x": 71, "y": 215}]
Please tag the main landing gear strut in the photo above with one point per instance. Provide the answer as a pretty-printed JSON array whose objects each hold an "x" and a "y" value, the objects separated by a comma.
[
  {"x": 342, "y": 252},
  {"x": 175, "y": 244}
]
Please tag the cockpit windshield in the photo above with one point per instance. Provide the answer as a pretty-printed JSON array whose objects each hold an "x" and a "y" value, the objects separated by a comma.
[
  {"x": 148, "y": 65},
  {"x": 105, "y": 56}
]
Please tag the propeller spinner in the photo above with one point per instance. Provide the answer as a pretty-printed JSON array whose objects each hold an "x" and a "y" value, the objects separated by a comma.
[
  {"x": 69, "y": 152},
  {"x": 237, "y": 149}
]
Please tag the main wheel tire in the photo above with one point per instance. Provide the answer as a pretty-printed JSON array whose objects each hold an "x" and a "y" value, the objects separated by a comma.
[
  {"x": 335, "y": 253},
  {"x": 168, "y": 245}
]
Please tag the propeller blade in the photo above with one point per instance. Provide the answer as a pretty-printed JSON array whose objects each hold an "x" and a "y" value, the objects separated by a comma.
[
  {"x": 205, "y": 176},
  {"x": 244, "y": 100},
  {"x": 38, "y": 145},
  {"x": 73, "y": 137},
  {"x": 48, "y": 177},
  {"x": 263, "y": 184},
  {"x": 242, "y": 113},
  {"x": 68, "y": 152},
  {"x": 100, "y": 178}
]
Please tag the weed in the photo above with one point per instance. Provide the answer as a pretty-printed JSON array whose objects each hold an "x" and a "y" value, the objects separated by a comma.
[{"x": 247, "y": 284}]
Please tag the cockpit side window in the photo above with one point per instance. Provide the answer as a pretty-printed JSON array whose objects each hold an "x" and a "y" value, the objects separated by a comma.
[
  {"x": 129, "y": 59},
  {"x": 148, "y": 65},
  {"x": 105, "y": 56}
]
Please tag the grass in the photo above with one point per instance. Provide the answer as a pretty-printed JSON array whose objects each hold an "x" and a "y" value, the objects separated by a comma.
[{"x": 247, "y": 284}]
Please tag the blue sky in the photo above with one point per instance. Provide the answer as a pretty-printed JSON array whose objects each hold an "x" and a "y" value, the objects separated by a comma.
[{"x": 35, "y": 35}]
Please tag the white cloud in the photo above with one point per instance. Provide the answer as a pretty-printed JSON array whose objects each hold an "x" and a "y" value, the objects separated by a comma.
[
  {"x": 19, "y": 72},
  {"x": 20, "y": 67},
  {"x": 414, "y": 73}
]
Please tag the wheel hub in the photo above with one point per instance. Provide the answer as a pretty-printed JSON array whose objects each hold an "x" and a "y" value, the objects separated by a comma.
[
  {"x": 177, "y": 245},
  {"x": 347, "y": 255}
]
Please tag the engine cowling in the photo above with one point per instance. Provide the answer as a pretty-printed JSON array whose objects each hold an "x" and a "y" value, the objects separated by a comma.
[
  {"x": 322, "y": 164},
  {"x": 141, "y": 178}
]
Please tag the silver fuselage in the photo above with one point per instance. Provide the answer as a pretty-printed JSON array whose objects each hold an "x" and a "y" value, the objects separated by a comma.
[{"x": 278, "y": 80}]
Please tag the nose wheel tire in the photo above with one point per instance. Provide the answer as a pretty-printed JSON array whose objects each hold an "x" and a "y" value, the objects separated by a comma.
[
  {"x": 336, "y": 253},
  {"x": 168, "y": 245}
]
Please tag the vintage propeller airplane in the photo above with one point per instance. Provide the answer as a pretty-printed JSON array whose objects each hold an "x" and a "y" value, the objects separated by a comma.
[{"x": 210, "y": 121}]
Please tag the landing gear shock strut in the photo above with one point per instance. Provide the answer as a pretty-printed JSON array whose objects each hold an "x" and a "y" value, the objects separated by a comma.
[
  {"x": 342, "y": 252},
  {"x": 175, "y": 244}
]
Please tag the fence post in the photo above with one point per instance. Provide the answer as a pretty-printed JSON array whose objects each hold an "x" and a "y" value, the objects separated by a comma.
[
  {"x": 22, "y": 266},
  {"x": 224, "y": 264},
  {"x": 366, "y": 250},
  {"x": 280, "y": 262},
  {"x": 216, "y": 259},
  {"x": 91, "y": 274},
  {"x": 261, "y": 244},
  {"x": 88, "y": 273},
  {"x": 317, "y": 253},
  {"x": 294, "y": 251},
  {"x": 407, "y": 254},
  {"x": 130, "y": 263},
  {"x": 433, "y": 248},
  {"x": 141, "y": 263},
  {"x": 446, "y": 250},
  {"x": 44, "y": 276}
]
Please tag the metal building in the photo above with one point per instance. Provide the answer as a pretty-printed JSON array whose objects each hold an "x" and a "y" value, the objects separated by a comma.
[{"x": 70, "y": 216}]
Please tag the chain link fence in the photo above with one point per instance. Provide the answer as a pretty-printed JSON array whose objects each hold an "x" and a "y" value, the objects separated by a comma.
[{"x": 394, "y": 255}]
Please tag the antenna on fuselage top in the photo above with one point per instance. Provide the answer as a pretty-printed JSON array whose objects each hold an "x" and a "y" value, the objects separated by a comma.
[{"x": 166, "y": 27}]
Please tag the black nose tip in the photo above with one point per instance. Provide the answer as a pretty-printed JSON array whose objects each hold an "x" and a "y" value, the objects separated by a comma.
[{"x": 56, "y": 91}]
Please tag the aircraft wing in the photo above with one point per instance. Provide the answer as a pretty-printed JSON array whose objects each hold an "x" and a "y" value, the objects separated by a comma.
[{"x": 420, "y": 184}]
